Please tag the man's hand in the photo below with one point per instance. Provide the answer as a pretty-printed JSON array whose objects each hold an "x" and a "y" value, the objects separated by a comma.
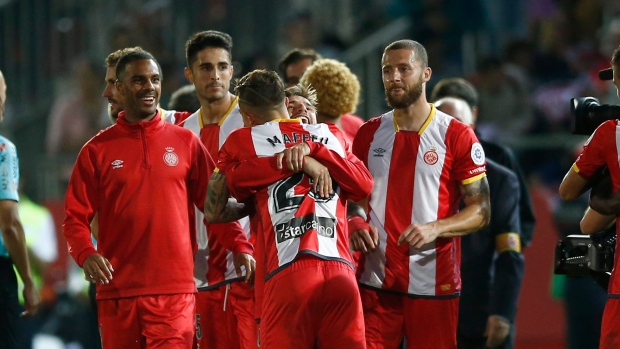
[
  {"x": 31, "y": 301},
  {"x": 497, "y": 330},
  {"x": 322, "y": 181},
  {"x": 294, "y": 157},
  {"x": 364, "y": 240},
  {"x": 363, "y": 237},
  {"x": 418, "y": 235},
  {"x": 246, "y": 260},
  {"x": 97, "y": 268}
]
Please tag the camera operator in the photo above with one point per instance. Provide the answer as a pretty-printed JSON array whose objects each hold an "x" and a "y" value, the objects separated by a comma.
[{"x": 601, "y": 149}]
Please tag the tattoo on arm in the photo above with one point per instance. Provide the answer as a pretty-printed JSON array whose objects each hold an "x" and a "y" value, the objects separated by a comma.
[
  {"x": 217, "y": 207},
  {"x": 478, "y": 193}
]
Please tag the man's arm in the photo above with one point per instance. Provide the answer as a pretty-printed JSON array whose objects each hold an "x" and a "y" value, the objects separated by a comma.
[
  {"x": 80, "y": 207},
  {"x": 363, "y": 237},
  {"x": 15, "y": 242},
  {"x": 509, "y": 265},
  {"x": 593, "y": 222},
  {"x": 219, "y": 207},
  {"x": 348, "y": 172},
  {"x": 474, "y": 216},
  {"x": 573, "y": 185}
]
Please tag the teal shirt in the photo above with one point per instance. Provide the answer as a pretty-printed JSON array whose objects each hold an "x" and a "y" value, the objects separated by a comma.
[{"x": 9, "y": 178}]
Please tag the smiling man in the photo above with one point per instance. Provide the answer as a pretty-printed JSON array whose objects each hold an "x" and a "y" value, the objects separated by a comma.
[
  {"x": 301, "y": 103},
  {"x": 142, "y": 176}
]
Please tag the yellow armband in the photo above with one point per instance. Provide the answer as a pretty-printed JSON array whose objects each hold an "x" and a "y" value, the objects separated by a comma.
[{"x": 508, "y": 242}]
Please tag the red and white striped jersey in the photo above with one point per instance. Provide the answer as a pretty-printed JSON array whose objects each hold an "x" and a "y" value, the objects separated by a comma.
[
  {"x": 417, "y": 180},
  {"x": 290, "y": 219},
  {"x": 599, "y": 150},
  {"x": 213, "y": 263}
]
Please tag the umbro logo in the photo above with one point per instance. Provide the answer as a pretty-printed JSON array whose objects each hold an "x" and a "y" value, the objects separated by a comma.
[
  {"x": 117, "y": 163},
  {"x": 378, "y": 152}
]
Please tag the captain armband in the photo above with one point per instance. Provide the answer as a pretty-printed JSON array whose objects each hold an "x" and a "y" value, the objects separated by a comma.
[{"x": 508, "y": 242}]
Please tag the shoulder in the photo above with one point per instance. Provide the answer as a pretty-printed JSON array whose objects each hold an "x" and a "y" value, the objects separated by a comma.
[
  {"x": 180, "y": 131},
  {"x": 444, "y": 120},
  {"x": 604, "y": 129},
  {"x": 373, "y": 124},
  {"x": 239, "y": 134},
  {"x": 6, "y": 145}
]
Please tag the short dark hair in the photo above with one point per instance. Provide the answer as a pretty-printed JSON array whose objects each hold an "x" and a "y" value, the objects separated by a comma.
[
  {"x": 261, "y": 90},
  {"x": 420, "y": 51},
  {"x": 456, "y": 87},
  {"x": 184, "y": 99},
  {"x": 112, "y": 59},
  {"x": 307, "y": 92},
  {"x": 209, "y": 38},
  {"x": 295, "y": 55},
  {"x": 132, "y": 57},
  {"x": 615, "y": 58}
]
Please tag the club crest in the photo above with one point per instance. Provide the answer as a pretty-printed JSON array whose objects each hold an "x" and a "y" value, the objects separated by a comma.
[
  {"x": 431, "y": 156},
  {"x": 170, "y": 157}
]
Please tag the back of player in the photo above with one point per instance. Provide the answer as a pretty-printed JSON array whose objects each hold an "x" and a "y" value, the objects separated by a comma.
[{"x": 310, "y": 298}]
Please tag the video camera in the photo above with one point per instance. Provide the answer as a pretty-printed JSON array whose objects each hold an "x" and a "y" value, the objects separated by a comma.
[
  {"x": 588, "y": 111},
  {"x": 587, "y": 255}
]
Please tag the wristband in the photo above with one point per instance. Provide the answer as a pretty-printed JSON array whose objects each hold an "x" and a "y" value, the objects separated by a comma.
[{"x": 357, "y": 223}]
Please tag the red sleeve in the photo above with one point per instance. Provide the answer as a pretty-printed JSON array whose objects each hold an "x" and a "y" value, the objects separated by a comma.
[
  {"x": 80, "y": 205},
  {"x": 349, "y": 172},
  {"x": 593, "y": 155},
  {"x": 231, "y": 236},
  {"x": 469, "y": 162}
]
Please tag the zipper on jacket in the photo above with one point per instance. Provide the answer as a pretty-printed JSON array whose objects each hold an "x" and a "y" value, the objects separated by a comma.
[{"x": 145, "y": 153}]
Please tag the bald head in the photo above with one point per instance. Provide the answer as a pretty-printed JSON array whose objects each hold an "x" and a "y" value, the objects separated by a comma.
[
  {"x": 457, "y": 108},
  {"x": 2, "y": 95}
]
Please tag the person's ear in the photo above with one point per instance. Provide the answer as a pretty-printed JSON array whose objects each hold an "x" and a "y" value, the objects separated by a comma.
[
  {"x": 188, "y": 75},
  {"x": 427, "y": 74},
  {"x": 119, "y": 87}
]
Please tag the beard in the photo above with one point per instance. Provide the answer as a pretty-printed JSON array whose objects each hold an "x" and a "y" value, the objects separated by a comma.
[
  {"x": 410, "y": 97},
  {"x": 211, "y": 97}
]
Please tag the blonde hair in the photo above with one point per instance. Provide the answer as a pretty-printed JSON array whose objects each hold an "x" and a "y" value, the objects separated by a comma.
[{"x": 337, "y": 88}]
